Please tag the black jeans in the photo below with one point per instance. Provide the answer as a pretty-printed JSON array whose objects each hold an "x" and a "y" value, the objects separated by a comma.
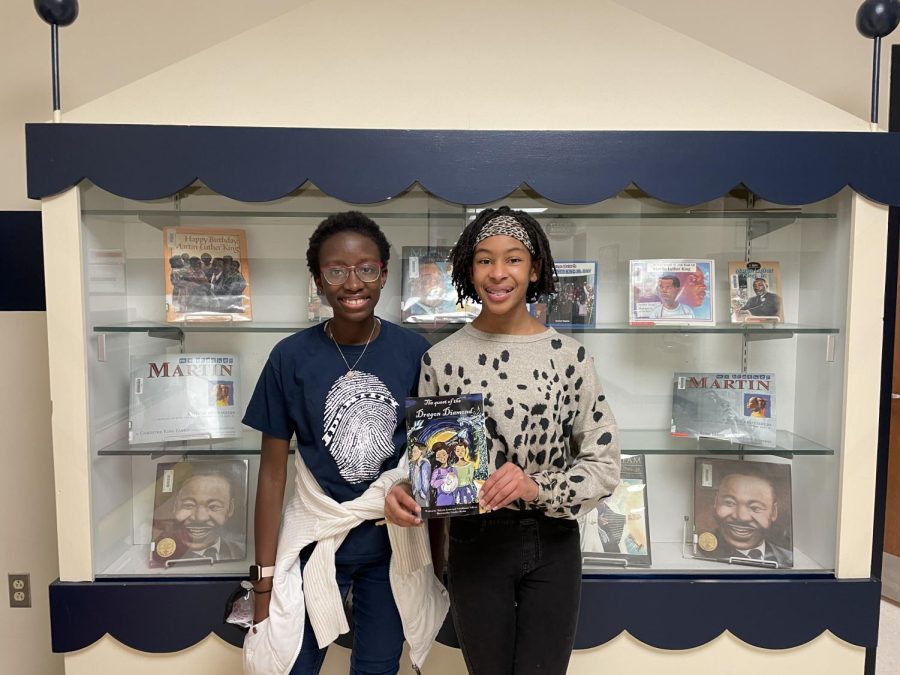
[{"x": 515, "y": 586}]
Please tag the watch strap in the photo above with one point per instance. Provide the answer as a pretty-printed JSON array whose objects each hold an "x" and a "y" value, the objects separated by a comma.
[{"x": 258, "y": 572}]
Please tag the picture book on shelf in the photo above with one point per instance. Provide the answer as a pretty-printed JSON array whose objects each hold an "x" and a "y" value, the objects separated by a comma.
[
  {"x": 199, "y": 512},
  {"x": 447, "y": 452},
  {"x": 427, "y": 292},
  {"x": 619, "y": 528},
  {"x": 207, "y": 274},
  {"x": 755, "y": 292},
  {"x": 743, "y": 512},
  {"x": 735, "y": 407},
  {"x": 574, "y": 303},
  {"x": 672, "y": 291},
  {"x": 184, "y": 397},
  {"x": 317, "y": 308}
]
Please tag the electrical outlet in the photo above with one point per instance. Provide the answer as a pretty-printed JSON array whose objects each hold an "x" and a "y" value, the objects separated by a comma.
[{"x": 19, "y": 590}]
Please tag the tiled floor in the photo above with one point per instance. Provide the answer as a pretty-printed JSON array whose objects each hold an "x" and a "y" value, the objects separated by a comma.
[{"x": 887, "y": 661}]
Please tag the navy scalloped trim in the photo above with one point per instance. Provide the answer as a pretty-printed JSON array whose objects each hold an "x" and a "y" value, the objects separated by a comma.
[
  {"x": 675, "y": 613},
  {"x": 466, "y": 167}
]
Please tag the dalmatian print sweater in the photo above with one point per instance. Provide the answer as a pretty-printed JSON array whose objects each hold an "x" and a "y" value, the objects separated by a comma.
[{"x": 544, "y": 410}]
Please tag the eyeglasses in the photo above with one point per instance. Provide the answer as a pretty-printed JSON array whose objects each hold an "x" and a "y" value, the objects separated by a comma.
[{"x": 338, "y": 274}]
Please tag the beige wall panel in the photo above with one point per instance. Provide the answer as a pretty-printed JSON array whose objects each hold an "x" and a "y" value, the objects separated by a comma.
[
  {"x": 465, "y": 64},
  {"x": 26, "y": 493},
  {"x": 826, "y": 655},
  {"x": 865, "y": 323},
  {"x": 68, "y": 388}
]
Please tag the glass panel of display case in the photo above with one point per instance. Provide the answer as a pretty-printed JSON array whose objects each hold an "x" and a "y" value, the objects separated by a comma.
[{"x": 126, "y": 284}]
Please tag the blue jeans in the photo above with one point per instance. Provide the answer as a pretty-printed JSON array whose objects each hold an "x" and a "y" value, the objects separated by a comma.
[
  {"x": 377, "y": 631},
  {"x": 515, "y": 587}
]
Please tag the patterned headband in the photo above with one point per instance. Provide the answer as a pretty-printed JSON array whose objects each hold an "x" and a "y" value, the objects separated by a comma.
[{"x": 506, "y": 226}]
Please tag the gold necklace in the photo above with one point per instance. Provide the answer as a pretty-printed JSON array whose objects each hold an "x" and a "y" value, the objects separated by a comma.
[{"x": 350, "y": 369}]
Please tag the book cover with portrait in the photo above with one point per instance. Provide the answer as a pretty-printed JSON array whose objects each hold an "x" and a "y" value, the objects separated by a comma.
[
  {"x": 447, "y": 453},
  {"x": 618, "y": 530},
  {"x": 734, "y": 407},
  {"x": 184, "y": 397},
  {"x": 672, "y": 291},
  {"x": 755, "y": 292},
  {"x": 199, "y": 512},
  {"x": 207, "y": 275},
  {"x": 574, "y": 303},
  {"x": 427, "y": 292},
  {"x": 743, "y": 512}
]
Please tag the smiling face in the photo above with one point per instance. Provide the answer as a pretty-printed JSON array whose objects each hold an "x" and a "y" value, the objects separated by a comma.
[
  {"x": 352, "y": 300},
  {"x": 745, "y": 510},
  {"x": 501, "y": 272},
  {"x": 203, "y": 506},
  {"x": 759, "y": 287}
]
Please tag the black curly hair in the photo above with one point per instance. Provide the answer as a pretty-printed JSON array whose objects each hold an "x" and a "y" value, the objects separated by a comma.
[
  {"x": 463, "y": 253},
  {"x": 346, "y": 221}
]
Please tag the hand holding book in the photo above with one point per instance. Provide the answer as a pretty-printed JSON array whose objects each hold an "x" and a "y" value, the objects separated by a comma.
[
  {"x": 506, "y": 485},
  {"x": 400, "y": 508}
]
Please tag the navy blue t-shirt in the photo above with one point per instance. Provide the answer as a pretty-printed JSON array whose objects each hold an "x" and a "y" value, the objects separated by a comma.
[{"x": 349, "y": 429}]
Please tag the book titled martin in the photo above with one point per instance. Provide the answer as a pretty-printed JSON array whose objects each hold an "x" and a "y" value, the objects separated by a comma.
[
  {"x": 672, "y": 291},
  {"x": 739, "y": 408},
  {"x": 755, "y": 292},
  {"x": 447, "y": 452},
  {"x": 207, "y": 275},
  {"x": 427, "y": 292},
  {"x": 184, "y": 397}
]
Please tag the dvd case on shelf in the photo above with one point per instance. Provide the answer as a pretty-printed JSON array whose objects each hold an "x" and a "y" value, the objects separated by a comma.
[
  {"x": 207, "y": 274},
  {"x": 427, "y": 292},
  {"x": 184, "y": 397},
  {"x": 743, "y": 512},
  {"x": 447, "y": 452},
  {"x": 619, "y": 528},
  {"x": 574, "y": 303},
  {"x": 199, "y": 512},
  {"x": 736, "y": 407},
  {"x": 672, "y": 291},
  {"x": 755, "y": 292}
]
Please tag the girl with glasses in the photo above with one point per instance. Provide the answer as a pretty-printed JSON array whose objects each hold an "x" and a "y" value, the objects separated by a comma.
[
  {"x": 515, "y": 572},
  {"x": 339, "y": 389}
]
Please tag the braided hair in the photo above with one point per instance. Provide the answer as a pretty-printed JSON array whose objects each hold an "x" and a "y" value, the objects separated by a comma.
[{"x": 463, "y": 254}]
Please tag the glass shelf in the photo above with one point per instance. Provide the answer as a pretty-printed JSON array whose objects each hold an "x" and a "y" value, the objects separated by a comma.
[
  {"x": 175, "y": 329},
  {"x": 632, "y": 442}
]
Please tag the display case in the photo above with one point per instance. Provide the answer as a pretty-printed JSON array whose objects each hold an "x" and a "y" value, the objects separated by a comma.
[{"x": 107, "y": 277}]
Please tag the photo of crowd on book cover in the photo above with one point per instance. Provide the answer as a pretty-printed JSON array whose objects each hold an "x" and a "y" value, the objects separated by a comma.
[
  {"x": 184, "y": 397},
  {"x": 672, "y": 291},
  {"x": 755, "y": 292},
  {"x": 447, "y": 452},
  {"x": 427, "y": 292},
  {"x": 207, "y": 275},
  {"x": 574, "y": 302},
  {"x": 735, "y": 407},
  {"x": 317, "y": 308},
  {"x": 619, "y": 528},
  {"x": 199, "y": 512},
  {"x": 742, "y": 512}
]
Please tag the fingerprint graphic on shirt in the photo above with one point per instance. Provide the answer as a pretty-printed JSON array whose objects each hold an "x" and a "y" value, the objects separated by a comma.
[{"x": 360, "y": 419}]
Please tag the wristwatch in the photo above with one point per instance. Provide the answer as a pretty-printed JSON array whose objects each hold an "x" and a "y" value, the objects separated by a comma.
[{"x": 258, "y": 572}]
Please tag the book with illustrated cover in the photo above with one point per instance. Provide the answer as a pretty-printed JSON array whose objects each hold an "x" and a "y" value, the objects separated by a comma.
[
  {"x": 199, "y": 512},
  {"x": 184, "y": 397},
  {"x": 743, "y": 512},
  {"x": 207, "y": 274},
  {"x": 619, "y": 528},
  {"x": 574, "y": 303},
  {"x": 427, "y": 292},
  {"x": 672, "y": 291},
  {"x": 755, "y": 292},
  {"x": 447, "y": 452},
  {"x": 317, "y": 308},
  {"x": 736, "y": 407}
]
